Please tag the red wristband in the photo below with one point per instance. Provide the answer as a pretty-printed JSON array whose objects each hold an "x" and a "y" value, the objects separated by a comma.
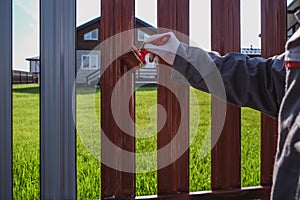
[{"x": 292, "y": 64}]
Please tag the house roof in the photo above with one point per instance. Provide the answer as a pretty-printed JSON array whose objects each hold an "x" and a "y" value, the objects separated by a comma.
[
  {"x": 36, "y": 58},
  {"x": 137, "y": 21},
  {"x": 88, "y": 23}
]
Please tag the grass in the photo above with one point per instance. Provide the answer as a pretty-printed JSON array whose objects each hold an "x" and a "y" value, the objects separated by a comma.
[{"x": 26, "y": 143}]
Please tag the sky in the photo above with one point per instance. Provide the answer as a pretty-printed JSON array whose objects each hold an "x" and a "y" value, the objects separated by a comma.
[{"x": 26, "y": 24}]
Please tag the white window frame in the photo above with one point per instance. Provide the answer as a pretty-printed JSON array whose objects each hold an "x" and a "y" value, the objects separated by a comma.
[
  {"x": 142, "y": 36},
  {"x": 85, "y": 56},
  {"x": 89, "y": 35}
]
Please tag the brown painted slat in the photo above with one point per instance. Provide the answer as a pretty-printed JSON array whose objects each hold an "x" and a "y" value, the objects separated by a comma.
[
  {"x": 245, "y": 194},
  {"x": 226, "y": 165},
  {"x": 174, "y": 15},
  {"x": 117, "y": 16},
  {"x": 273, "y": 38}
]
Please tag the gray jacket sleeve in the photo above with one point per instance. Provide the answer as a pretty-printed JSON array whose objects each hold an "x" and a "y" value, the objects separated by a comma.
[{"x": 251, "y": 82}]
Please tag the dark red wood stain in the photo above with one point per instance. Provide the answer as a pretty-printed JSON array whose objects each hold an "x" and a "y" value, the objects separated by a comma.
[
  {"x": 173, "y": 179},
  {"x": 273, "y": 39},
  {"x": 226, "y": 154},
  {"x": 117, "y": 16}
]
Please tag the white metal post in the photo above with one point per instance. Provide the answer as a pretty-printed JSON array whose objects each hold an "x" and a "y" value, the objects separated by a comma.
[
  {"x": 5, "y": 100},
  {"x": 58, "y": 139}
]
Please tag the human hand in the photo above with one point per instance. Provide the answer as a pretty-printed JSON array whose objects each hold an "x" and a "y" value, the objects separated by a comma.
[
  {"x": 163, "y": 45},
  {"x": 133, "y": 59}
]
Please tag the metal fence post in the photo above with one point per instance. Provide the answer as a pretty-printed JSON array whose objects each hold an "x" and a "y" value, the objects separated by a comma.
[
  {"x": 58, "y": 138},
  {"x": 5, "y": 100}
]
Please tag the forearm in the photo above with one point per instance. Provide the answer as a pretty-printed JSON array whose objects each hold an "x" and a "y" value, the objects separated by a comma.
[{"x": 257, "y": 83}]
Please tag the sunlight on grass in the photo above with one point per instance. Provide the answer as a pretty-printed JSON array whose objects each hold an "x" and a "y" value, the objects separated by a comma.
[
  {"x": 250, "y": 145},
  {"x": 88, "y": 143},
  {"x": 146, "y": 183},
  {"x": 200, "y": 157},
  {"x": 26, "y": 154},
  {"x": 26, "y": 143}
]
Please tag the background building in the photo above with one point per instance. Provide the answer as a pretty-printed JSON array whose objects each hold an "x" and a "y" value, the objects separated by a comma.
[
  {"x": 292, "y": 23},
  {"x": 88, "y": 52}
]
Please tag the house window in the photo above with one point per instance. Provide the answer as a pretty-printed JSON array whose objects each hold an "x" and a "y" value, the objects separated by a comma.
[
  {"x": 92, "y": 35},
  {"x": 142, "y": 36},
  {"x": 89, "y": 62}
]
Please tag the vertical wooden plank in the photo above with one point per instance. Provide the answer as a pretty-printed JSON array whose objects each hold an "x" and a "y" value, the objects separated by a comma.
[
  {"x": 58, "y": 138},
  {"x": 273, "y": 39},
  {"x": 174, "y": 15},
  {"x": 117, "y": 16},
  {"x": 226, "y": 154},
  {"x": 5, "y": 100}
]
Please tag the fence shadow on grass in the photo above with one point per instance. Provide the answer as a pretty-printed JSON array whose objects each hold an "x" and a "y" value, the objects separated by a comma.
[
  {"x": 35, "y": 89},
  {"x": 151, "y": 88}
]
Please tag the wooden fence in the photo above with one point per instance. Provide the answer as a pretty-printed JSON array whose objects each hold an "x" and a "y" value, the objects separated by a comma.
[
  {"x": 58, "y": 149},
  {"x": 20, "y": 77}
]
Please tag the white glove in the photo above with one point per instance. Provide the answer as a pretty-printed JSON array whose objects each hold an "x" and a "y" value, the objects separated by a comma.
[{"x": 163, "y": 45}]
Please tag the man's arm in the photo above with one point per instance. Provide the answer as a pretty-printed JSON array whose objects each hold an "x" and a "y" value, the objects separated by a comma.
[{"x": 251, "y": 82}]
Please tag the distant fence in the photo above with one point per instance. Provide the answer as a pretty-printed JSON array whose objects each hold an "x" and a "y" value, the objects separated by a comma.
[
  {"x": 21, "y": 77},
  {"x": 57, "y": 126},
  {"x": 146, "y": 76}
]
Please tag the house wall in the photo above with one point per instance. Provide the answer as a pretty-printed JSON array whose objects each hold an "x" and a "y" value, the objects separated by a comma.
[
  {"x": 35, "y": 66},
  {"x": 145, "y": 28},
  {"x": 83, "y": 73},
  {"x": 88, "y": 44}
]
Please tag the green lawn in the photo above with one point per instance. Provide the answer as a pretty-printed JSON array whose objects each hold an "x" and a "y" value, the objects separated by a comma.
[{"x": 26, "y": 143}]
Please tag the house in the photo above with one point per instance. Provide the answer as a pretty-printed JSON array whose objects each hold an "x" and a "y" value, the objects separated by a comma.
[
  {"x": 88, "y": 52},
  {"x": 34, "y": 67},
  {"x": 34, "y": 64}
]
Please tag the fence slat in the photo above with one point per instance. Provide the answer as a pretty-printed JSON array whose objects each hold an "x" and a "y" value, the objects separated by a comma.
[
  {"x": 174, "y": 15},
  {"x": 116, "y": 16},
  {"x": 273, "y": 28},
  {"x": 5, "y": 100},
  {"x": 58, "y": 138},
  {"x": 226, "y": 167}
]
